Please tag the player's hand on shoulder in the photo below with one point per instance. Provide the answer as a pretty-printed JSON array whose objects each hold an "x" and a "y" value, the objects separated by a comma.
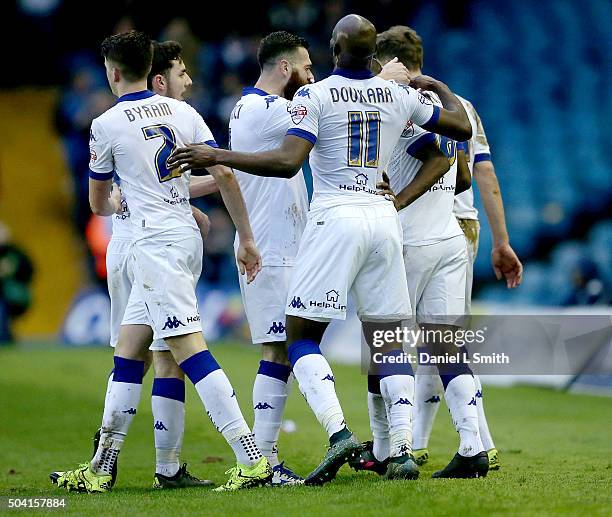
[
  {"x": 383, "y": 188},
  {"x": 395, "y": 71},
  {"x": 506, "y": 264},
  {"x": 193, "y": 156},
  {"x": 424, "y": 82},
  {"x": 249, "y": 259}
]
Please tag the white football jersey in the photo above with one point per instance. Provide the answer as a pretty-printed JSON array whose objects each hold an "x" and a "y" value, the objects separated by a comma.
[
  {"x": 135, "y": 138},
  {"x": 429, "y": 219},
  {"x": 478, "y": 151},
  {"x": 277, "y": 207},
  {"x": 354, "y": 121}
]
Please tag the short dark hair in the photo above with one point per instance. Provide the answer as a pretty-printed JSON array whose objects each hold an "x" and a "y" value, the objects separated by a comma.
[
  {"x": 132, "y": 51},
  {"x": 276, "y": 44},
  {"x": 401, "y": 42},
  {"x": 163, "y": 55}
]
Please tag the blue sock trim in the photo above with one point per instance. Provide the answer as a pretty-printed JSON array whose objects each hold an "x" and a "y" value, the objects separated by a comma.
[
  {"x": 274, "y": 370},
  {"x": 300, "y": 348},
  {"x": 199, "y": 366},
  {"x": 374, "y": 384},
  {"x": 383, "y": 368},
  {"x": 169, "y": 388},
  {"x": 447, "y": 377},
  {"x": 128, "y": 370}
]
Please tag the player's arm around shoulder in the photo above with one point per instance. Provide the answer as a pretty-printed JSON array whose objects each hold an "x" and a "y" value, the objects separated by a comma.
[{"x": 434, "y": 165}]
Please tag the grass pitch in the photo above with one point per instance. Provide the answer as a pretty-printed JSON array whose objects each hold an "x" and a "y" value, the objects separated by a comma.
[{"x": 555, "y": 448}]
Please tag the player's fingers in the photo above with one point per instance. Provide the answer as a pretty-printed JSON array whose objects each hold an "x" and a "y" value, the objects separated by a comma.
[
  {"x": 498, "y": 273},
  {"x": 178, "y": 154},
  {"x": 241, "y": 267}
]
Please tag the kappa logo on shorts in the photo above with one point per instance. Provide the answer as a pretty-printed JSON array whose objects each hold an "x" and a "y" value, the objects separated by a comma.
[
  {"x": 130, "y": 411},
  {"x": 472, "y": 402},
  {"x": 296, "y": 303},
  {"x": 276, "y": 328},
  {"x": 329, "y": 377},
  {"x": 435, "y": 399},
  {"x": 173, "y": 323}
]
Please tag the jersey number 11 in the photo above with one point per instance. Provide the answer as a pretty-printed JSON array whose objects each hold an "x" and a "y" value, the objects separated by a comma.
[{"x": 363, "y": 142}]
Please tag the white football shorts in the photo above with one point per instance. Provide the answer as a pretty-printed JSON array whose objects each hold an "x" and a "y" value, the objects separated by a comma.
[
  {"x": 264, "y": 302},
  {"x": 436, "y": 280},
  {"x": 120, "y": 277},
  {"x": 166, "y": 270},
  {"x": 346, "y": 248}
]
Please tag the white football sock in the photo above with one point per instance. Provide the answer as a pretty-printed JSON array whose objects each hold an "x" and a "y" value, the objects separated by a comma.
[
  {"x": 398, "y": 394},
  {"x": 168, "y": 406},
  {"x": 270, "y": 392},
  {"x": 460, "y": 398},
  {"x": 379, "y": 425},
  {"x": 220, "y": 403},
  {"x": 316, "y": 382},
  {"x": 109, "y": 383},
  {"x": 428, "y": 392},
  {"x": 119, "y": 410},
  {"x": 483, "y": 426}
]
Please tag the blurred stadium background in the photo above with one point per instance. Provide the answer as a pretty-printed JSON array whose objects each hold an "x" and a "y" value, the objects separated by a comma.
[{"x": 539, "y": 73}]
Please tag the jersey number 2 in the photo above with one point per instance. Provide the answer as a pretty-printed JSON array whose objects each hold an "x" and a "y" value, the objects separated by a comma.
[
  {"x": 357, "y": 156},
  {"x": 164, "y": 173}
]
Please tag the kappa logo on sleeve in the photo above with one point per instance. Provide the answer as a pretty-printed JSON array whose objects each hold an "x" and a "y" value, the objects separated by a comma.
[{"x": 298, "y": 113}]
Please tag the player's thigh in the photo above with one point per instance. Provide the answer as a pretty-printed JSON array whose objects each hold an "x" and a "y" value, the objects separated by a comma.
[
  {"x": 166, "y": 273},
  {"x": 419, "y": 264},
  {"x": 380, "y": 286},
  {"x": 119, "y": 283},
  {"x": 332, "y": 249},
  {"x": 264, "y": 302},
  {"x": 443, "y": 299}
]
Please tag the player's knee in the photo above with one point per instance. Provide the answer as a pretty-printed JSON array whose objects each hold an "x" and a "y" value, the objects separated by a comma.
[
  {"x": 165, "y": 366},
  {"x": 275, "y": 352}
]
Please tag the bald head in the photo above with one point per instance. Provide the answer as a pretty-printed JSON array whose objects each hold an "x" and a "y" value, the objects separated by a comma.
[{"x": 353, "y": 42}]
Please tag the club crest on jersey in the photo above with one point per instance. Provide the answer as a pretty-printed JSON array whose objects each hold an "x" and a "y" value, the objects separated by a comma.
[
  {"x": 408, "y": 130},
  {"x": 92, "y": 155},
  {"x": 298, "y": 113}
]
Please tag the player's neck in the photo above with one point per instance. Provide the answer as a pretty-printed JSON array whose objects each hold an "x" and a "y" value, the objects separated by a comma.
[
  {"x": 414, "y": 73},
  {"x": 125, "y": 88},
  {"x": 270, "y": 85}
]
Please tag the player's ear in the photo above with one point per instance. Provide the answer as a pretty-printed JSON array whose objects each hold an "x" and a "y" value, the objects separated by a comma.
[
  {"x": 285, "y": 66},
  {"x": 158, "y": 82}
]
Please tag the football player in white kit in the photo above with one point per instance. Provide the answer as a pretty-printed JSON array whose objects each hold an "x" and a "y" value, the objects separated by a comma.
[
  {"x": 277, "y": 210},
  {"x": 168, "y": 78},
  {"x": 505, "y": 262},
  {"x": 351, "y": 121},
  {"x": 135, "y": 138},
  {"x": 429, "y": 387}
]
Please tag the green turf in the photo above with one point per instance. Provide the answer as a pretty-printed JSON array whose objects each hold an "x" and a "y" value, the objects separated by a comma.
[{"x": 555, "y": 448}]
